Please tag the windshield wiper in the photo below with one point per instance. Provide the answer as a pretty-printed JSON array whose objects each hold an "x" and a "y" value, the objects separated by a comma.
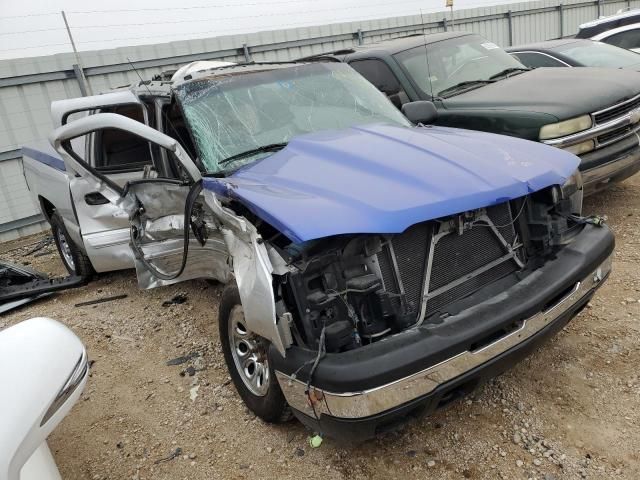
[
  {"x": 272, "y": 147},
  {"x": 462, "y": 85},
  {"x": 507, "y": 71}
]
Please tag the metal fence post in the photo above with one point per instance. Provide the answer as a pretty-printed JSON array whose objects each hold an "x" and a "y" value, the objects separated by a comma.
[
  {"x": 510, "y": 19},
  {"x": 599, "y": 2},
  {"x": 561, "y": 16},
  {"x": 80, "y": 78},
  {"x": 247, "y": 54},
  {"x": 360, "y": 37},
  {"x": 444, "y": 23},
  {"x": 78, "y": 69}
]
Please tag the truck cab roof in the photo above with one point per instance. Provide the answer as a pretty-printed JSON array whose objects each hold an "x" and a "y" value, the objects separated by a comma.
[
  {"x": 160, "y": 85},
  {"x": 386, "y": 47},
  {"x": 235, "y": 69}
]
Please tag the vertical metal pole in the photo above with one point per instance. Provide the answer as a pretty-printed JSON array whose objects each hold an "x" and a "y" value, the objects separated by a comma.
[
  {"x": 444, "y": 23},
  {"x": 82, "y": 80},
  {"x": 247, "y": 54},
  {"x": 452, "y": 24},
  {"x": 599, "y": 8},
  {"x": 510, "y": 19},
  {"x": 561, "y": 15},
  {"x": 78, "y": 73},
  {"x": 360, "y": 37}
]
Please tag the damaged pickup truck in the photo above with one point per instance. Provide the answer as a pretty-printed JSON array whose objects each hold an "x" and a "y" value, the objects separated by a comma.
[{"x": 375, "y": 269}]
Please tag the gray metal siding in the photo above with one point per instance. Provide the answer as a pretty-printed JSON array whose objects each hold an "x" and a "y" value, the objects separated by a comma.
[
  {"x": 29, "y": 85},
  {"x": 18, "y": 214}
]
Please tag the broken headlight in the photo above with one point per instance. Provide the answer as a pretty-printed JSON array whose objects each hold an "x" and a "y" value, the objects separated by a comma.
[{"x": 572, "y": 194}]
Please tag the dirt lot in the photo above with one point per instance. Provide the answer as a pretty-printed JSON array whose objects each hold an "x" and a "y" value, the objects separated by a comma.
[{"x": 569, "y": 411}]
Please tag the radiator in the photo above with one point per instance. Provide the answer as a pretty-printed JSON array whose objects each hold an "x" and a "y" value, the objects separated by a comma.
[{"x": 431, "y": 265}]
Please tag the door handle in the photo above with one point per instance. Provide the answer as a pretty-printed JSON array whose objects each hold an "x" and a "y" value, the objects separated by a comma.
[{"x": 95, "y": 198}]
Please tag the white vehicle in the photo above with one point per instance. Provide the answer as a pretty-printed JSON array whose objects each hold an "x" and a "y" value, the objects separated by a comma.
[
  {"x": 621, "y": 30},
  {"x": 625, "y": 37},
  {"x": 43, "y": 370}
]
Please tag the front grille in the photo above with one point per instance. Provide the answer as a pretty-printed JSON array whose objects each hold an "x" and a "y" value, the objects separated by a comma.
[
  {"x": 616, "y": 111},
  {"x": 616, "y": 134},
  {"x": 456, "y": 264}
]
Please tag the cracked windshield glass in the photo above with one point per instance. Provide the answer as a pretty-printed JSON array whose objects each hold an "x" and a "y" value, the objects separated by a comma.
[
  {"x": 450, "y": 66},
  {"x": 237, "y": 118}
]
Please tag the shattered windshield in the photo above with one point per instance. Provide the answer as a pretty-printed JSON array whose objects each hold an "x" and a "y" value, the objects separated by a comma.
[
  {"x": 241, "y": 117},
  {"x": 467, "y": 61}
]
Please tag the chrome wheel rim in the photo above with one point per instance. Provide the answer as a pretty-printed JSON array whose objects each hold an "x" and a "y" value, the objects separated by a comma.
[
  {"x": 249, "y": 354},
  {"x": 65, "y": 250}
]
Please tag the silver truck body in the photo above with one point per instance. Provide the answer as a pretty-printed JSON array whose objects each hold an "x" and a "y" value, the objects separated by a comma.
[
  {"x": 58, "y": 180},
  {"x": 105, "y": 233}
]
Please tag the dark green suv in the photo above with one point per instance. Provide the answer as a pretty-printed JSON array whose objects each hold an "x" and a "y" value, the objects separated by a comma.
[{"x": 591, "y": 112}]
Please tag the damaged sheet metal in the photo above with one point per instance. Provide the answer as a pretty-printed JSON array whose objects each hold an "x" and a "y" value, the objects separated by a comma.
[
  {"x": 158, "y": 238},
  {"x": 252, "y": 270},
  {"x": 12, "y": 276},
  {"x": 21, "y": 285},
  {"x": 233, "y": 245},
  {"x": 383, "y": 179}
]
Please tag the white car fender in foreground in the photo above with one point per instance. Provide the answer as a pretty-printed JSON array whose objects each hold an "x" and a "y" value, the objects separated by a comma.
[{"x": 43, "y": 370}]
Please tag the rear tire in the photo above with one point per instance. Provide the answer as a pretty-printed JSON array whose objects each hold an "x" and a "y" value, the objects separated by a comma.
[
  {"x": 74, "y": 259},
  {"x": 247, "y": 361}
]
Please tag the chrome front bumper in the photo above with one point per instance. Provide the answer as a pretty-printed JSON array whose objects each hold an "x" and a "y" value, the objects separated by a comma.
[
  {"x": 357, "y": 405},
  {"x": 599, "y": 177}
]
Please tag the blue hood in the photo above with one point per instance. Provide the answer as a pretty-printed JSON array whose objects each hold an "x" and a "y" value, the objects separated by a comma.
[{"x": 383, "y": 179}]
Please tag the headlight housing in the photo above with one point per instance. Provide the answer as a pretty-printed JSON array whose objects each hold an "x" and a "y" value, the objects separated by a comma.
[
  {"x": 582, "y": 147},
  {"x": 567, "y": 127},
  {"x": 572, "y": 193}
]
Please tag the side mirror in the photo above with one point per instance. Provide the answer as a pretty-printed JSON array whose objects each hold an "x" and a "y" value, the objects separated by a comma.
[{"x": 421, "y": 111}]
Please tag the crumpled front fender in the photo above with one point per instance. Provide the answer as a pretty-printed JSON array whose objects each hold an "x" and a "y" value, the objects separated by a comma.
[{"x": 252, "y": 270}]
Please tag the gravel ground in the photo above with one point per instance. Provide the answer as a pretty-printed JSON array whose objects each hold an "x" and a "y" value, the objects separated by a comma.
[{"x": 568, "y": 411}]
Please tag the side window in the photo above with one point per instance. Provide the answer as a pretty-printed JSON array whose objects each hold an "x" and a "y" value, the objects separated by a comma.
[
  {"x": 117, "y": 151},
  {"x": 381, "y": 76},
  {"x": 629, "y": 39},
  {"x": 535, "y": 60}
]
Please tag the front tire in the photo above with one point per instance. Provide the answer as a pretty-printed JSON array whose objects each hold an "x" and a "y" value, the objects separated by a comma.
[
  {"x": 247, "y": 360},
  {"x": 74, "y": 259}
]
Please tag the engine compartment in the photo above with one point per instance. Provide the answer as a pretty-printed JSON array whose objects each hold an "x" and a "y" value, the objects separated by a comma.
[
  {"x": 339, "y": 288},
  {"x": 354, "y": 290}
]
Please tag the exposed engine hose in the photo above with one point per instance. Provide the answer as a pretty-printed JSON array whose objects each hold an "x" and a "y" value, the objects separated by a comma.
[{"x": 194, "y": 191}]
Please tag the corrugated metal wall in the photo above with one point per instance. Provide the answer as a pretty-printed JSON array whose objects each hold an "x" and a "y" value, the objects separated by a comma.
[{"x": 29, "y": 85}]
